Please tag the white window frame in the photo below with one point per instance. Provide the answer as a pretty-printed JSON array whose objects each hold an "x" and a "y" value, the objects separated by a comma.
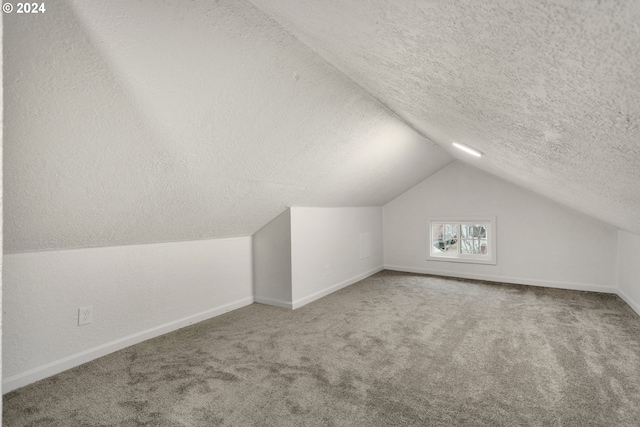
[{"x": 488, "y": 258}]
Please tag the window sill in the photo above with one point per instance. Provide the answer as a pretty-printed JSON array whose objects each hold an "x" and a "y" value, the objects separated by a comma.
[{"x": 486, "y": 261}]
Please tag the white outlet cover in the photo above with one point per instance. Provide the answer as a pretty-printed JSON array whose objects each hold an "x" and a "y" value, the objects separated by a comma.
[{"x": 85, "y": 315}]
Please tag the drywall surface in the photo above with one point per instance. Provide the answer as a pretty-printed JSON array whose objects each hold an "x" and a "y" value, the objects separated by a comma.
[
  {"x": 539, "y": 242},
  {"x": 629, "y": 269},
  {"x": 146, "y": 121},
  {"x": 547, "y": 89},
  {"x": 272, "y": 262},
  {"x": 136, "y": 291},
  {"x": 332, "y": 248}
]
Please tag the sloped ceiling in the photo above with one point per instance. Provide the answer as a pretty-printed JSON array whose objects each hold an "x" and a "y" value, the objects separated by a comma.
[
  {"x": 549, "y": 90},
  {"x": 144, "y": 121}
]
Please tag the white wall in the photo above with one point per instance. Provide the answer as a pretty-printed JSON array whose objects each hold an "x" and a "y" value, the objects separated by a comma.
[
  {"x": 326, "y": 249},
  {"x": 539, "y": 242},
  {"x": 629, "y": 269},
  {"x": 272, "y": 262},
  {"x": 137, "y": 292}
]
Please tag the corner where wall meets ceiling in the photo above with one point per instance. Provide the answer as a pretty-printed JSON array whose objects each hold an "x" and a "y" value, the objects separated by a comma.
[
  {"x": 138, "y": 122},
  {"x": 547, "y": 90}
]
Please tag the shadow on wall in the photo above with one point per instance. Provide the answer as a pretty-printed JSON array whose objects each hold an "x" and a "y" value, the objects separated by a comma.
[{"x": 79, "y": 148}]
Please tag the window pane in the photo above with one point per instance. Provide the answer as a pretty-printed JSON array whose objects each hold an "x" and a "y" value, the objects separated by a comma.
[
  {"x": 445, "y": 238},
  {"x": 469, "y": 240},
  {"x": 473, "y": 239}
]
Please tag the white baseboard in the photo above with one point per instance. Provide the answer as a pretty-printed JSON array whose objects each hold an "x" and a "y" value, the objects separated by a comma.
[
  {"x": 626, "y": 298},
  {"x": 514, "y": 280},
  {"x": 44, "y": 371},
  {"x": 317, "y": 295},
  {"x": 274, "y": 302}
]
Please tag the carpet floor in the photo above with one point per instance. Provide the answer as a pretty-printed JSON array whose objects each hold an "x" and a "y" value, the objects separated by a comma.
[{"x": 395, "y": 349}]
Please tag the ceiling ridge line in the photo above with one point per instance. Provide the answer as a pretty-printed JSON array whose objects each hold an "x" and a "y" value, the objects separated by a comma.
[{"x": 347, "y": 77}]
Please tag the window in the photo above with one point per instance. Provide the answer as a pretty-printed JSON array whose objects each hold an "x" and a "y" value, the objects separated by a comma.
[{"x": 470, "y": 240}]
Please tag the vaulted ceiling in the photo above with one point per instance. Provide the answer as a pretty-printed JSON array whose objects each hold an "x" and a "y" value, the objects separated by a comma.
[
  {"x": 549, "y": 90},
  {"x": 134, "y": 122}
]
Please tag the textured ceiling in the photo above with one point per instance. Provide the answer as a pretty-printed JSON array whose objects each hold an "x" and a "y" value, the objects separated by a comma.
[
  {"x": 144, "y": 121},
  {"x": 549, "y": 90}
]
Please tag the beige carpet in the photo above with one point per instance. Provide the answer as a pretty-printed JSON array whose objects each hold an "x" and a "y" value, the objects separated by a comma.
[{"x": 394, "y": 349}]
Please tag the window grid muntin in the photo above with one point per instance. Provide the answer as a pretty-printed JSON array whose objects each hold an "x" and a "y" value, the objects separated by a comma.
[{"x": 486, "y": 243}]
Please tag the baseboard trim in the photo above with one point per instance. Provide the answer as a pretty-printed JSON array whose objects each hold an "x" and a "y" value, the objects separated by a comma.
[
  {"x": 41, "y": 372},
  {"x": 317, "y": 295},
  {"x": 513, "y": 280},
  {"x": 273, "y": 302},
  {"x": 626, "y": 298}
]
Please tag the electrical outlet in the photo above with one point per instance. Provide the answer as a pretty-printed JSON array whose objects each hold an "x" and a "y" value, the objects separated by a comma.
[{"x": 85, "y": 315}]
